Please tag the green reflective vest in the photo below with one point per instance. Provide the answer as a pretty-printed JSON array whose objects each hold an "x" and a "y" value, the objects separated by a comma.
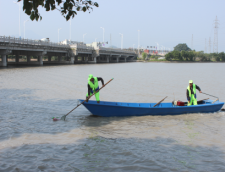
[
  {"x": 95, "y": 85},
  {"x": 189, "y": 90}
]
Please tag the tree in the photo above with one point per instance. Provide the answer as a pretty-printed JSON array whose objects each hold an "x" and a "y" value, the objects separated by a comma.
[
  {"x": 144, "y": 55},
  {"x": 222, "y": 56},
  {"x": 68, "y": 8},
  {"x": 169, "y": 56},
  {"x": 184, "y": 54},
  {"x": 181, "y": 47},
  {"x": 191, "y": 56},
  {"x": 177, "y": 55}
]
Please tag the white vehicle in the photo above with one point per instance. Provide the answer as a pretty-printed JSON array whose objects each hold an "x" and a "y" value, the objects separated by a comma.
[{"x": 45, "y": 40}]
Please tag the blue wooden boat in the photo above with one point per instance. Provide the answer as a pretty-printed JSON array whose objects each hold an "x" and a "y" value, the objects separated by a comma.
[{"x": 120, "y": 109}]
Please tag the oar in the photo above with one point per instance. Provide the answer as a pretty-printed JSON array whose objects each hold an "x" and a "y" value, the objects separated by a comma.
[
  {"x": 160, "y": 102},
  {"x": 64, "y": 117},
  {"x": 210, "y": 95}
]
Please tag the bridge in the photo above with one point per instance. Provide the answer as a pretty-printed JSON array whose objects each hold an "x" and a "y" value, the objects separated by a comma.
[{"x": 17, "y": 51}]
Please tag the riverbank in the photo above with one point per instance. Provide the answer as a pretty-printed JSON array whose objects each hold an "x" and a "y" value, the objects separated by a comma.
[{"x": 164, "y": 61}]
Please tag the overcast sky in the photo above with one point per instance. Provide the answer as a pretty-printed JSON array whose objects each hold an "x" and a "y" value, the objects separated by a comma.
[{"x": 167, "y": 22}]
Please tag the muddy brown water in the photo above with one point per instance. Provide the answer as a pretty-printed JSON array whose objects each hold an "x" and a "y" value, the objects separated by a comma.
[{"x": 31, "y": 141}]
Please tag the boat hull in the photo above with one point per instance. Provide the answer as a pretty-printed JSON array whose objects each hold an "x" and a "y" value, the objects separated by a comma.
[{"x": 120, "y": 109}]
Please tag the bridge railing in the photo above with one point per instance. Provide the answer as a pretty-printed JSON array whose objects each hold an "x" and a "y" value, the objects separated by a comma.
[
  {"x": 116, "y": 50},
  {"x": 82, "y": 46},
  {"x": 31, "y": 42}
]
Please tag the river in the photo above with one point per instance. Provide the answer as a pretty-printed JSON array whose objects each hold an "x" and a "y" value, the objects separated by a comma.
[{"x": 31, "y": 141}]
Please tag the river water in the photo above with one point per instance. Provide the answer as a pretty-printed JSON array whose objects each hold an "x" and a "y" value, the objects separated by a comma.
[{"x": 31, "y": 141}]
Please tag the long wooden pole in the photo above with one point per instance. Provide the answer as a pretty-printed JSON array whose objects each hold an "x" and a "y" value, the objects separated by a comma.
[
  {"x": 64, "y": 117},
  {"x": 160, "y": 101}
]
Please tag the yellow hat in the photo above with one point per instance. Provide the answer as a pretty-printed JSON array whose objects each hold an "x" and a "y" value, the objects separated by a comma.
[{"x": 190, "y": 81}]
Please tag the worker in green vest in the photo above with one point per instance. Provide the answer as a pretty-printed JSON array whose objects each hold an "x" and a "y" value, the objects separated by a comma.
[
  {"x": 191, "y": 93},
  {"x": 93, "y": 87}
]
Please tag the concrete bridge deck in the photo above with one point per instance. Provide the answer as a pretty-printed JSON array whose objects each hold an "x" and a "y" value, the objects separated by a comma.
[{"x": 57, "y": 53}]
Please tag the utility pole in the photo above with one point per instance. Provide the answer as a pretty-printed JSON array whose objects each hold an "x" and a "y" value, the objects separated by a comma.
[
  {"x": 209, "y": 50},
  {"x": 192, "y": 42},
  {"x": 103, "y": 33},
  {"x": 138, "y": 42},
  {"x": 24, "y": 28},
  {"x": 205, "y": 45},
  {"x": 110, "y": 41},
  {"x": 215, "y": 43},
  {"x": 70, "y": 29},
  {"x": 84, "y": 36},
  {"x": 19, "y": 18},
  {"x": 121, "y": 41},
  {"x": 58, "y": 34}
]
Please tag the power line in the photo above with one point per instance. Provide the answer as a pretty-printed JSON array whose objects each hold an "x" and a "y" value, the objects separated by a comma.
[{"x": 215, "y": 43}]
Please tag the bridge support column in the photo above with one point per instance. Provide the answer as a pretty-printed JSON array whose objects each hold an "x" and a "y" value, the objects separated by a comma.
[
  {"x": 3, "y": 62},
  {"x": 17, "y": 58},
  {"x": 83, "y": 58},
  {"x": 95, "y": 59},
  {"x": 117, "y": 59},
  {"x": 86, "y": 59},
  {"x": 49, "y": 58},
  {"x": 59, "y": 58},
  {"x": 72, "y": 60},
  {"x": 107, "y": 59},
  {"x": 28, "y": 58},
  {"x": 75, "y": 59},
  {"x": 40, "y": 60}
]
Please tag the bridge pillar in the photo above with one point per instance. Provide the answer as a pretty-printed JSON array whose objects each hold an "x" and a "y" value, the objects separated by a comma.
[
  {"x": 86, "y": 59},
  {"x": 75, "y": 59},
  {"x": 95, "y": 59},
  {"x": 28, "y": 58},
  {"x": 40, "y": 60},
  {"x": 4, "y": 62},
  {"x": 49, "y": 58},
  {"x": 17, "y": 58},
  {"x": 72, "y": 60},
  {"x": 59, "y": 58},
  {"x": 117, "y": 59},
  {"x": 107, "y": 59}
]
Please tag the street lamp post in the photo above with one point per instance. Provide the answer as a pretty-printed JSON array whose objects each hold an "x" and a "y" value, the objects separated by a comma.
[
  {"x": 24, "y": 28},
  {"x": 103, "y": 33},
  {"x": 121, "y": 41},
  {"x": 58, "y": 34},
  {"x": 70, "y": 29},
  {"x": 138, "y": 41},
  {"x": 84, "y": 36},
  {"x": 19, "y": 17}
]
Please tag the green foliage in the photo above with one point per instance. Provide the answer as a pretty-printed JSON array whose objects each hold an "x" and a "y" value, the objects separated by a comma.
[
  {"x": 68, "y": 8},
  {"x": 193, "y": 56},
  {"x": 169, "y": 56},
  {"x": 182, "y": 47},
  {"x": 177, "y": 55},
  {"x": 184, "y": 54},
  {"x": 222, "y": 56},
  {"x": 144, "y": 55}
]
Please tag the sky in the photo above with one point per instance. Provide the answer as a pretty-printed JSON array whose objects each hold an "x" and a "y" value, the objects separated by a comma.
[{"x": 166, "y": 22}]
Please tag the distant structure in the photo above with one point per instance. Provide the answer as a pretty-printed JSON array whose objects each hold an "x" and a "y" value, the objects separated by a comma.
[
  {"x": 209, "y": 49},
  {"x": 192, "y": 43},
  {"x": 205, "y": 45},
  {"x": 215, "y": 43}
]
